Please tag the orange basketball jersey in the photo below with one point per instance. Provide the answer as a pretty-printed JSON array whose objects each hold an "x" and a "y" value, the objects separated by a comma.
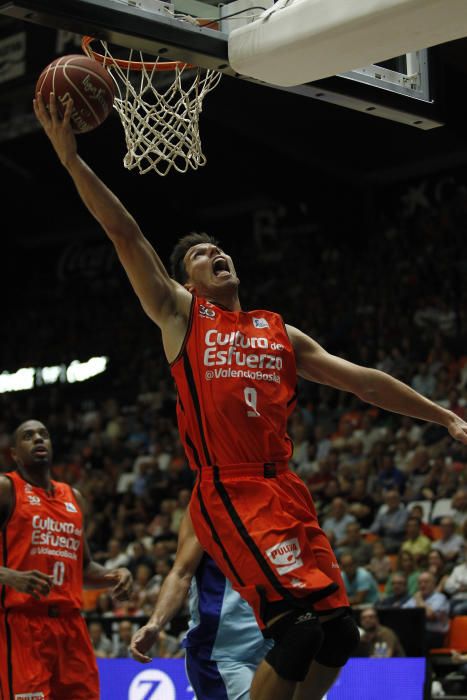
[
  {"x": 236, "y": 381},
  {"x": 44, "y": 532}
]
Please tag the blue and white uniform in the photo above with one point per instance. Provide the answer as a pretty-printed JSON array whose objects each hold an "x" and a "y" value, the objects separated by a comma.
[{"x": 223, "y": 644}]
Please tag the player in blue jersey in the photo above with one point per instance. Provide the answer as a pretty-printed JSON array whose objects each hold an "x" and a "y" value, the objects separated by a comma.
[{"x": 223, "y": 645}]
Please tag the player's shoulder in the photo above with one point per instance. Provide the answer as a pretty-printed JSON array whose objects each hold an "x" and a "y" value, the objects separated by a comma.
[
  {"x": 6, "y": 484},
  {"x": 6, "y": 498},
  {"x": 78, "y": 496},
  {"x": 62, "y": 488}
]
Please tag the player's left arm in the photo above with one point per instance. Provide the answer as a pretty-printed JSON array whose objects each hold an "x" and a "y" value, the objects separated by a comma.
[
  {"x": 173, "y": 591},
  {"x": 96, "y": 576},
  {"x": 370, "y": 385}
]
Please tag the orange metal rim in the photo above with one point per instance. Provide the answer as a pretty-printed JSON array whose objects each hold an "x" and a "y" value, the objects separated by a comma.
[{"x": 108, "y": 61}]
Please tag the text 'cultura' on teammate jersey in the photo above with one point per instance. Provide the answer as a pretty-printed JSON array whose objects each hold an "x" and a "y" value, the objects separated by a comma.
[{"x": 44, "y": 532}]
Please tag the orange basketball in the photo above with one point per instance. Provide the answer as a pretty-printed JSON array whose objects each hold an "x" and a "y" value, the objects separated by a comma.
[{"x": 84, "y": 80}]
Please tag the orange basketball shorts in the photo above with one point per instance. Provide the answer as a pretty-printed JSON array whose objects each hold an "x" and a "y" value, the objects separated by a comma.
[
  {"x": 46, "y": 658},
  {"x": 259, "y": 524}
]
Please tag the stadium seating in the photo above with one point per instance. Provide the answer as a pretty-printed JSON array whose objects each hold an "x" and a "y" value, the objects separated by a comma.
[{"x": 456, "y": 638}]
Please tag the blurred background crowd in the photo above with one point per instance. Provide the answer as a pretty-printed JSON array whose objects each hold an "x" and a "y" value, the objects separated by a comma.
[{"x": 391, "y": 492}]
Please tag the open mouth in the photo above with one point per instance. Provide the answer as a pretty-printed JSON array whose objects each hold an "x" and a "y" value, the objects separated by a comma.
[
  {"x": 220, "y": 267},
  {"x": 41, "y": 451}
]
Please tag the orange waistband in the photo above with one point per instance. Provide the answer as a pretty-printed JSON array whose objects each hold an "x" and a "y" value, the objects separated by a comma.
[{"x": 267, "y": 470}]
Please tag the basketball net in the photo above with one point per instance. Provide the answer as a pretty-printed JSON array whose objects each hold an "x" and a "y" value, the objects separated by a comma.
[{"x": 160, "y": 118}]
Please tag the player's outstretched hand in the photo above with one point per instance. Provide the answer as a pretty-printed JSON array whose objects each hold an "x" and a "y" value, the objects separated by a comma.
[
  {"x": 58, "y": 130},
  {"x": 142, "y": 641},
  {"x": 123, "y": 581},
  {"x": 458, "y": 429},
  {"x": 36, "y": 583}
]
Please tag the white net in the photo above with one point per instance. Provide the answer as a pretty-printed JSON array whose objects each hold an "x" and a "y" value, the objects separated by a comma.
[{"x": 159, "y": 110}]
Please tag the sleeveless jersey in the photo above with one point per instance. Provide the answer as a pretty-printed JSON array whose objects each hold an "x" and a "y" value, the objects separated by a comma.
[
  {"x": 44, "y": 532},
  {"x": 236, "y": 382},
  {"x": 222, "y": 625}
]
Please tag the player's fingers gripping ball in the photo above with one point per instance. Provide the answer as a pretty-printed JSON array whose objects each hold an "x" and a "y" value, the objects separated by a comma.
[{"x": 83, "y": 80}]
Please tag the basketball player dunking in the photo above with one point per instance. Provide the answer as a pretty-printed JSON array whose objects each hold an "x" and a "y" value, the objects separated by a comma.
[
  {"x": 45, "y": 650},
  {"x": 236, "y": 375}
]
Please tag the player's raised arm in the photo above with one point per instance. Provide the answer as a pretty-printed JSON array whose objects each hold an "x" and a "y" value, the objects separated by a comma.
[
  {"x": 173, "y": 592},
  {"x": 163, "y": 299},
  {"x": 370, "y": 385}
]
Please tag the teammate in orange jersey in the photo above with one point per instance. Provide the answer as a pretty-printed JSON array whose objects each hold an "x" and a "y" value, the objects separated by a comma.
[
  {"x": 236, "y": 374},
  {"x": 45, "y": 651}
]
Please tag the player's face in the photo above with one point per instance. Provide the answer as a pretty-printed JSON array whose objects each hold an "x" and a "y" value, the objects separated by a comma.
[
  {"x": 209, "y": 269},
  {"x": 33, "y": 446}
]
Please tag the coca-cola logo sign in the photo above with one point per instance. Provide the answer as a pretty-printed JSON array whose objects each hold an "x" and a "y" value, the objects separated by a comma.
[{"x": 83, "y": 260}]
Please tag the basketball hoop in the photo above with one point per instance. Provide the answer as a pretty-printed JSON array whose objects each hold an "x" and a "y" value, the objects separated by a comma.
[{"x": 160, "y": 116}]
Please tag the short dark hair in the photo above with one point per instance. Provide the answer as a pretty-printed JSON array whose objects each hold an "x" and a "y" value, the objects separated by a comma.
[
  {"x": 16, "y": 432},
  {"x": 177, "y": 265},
  {"x": 400, "y": 574}
]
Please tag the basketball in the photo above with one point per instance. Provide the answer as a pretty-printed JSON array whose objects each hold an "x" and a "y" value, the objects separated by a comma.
[{"x": 86, "y": 82}]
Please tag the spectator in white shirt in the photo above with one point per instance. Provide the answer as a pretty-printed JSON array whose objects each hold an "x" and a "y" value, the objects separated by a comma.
[
  {"x": 459, "y": 505},
  {"x": 436, "y": 609},
  {"x": 451, "y": 543},
  {"x": 390, "y": 521},
  {"x": 116, "y": 555},
  {"x": 403, "y": 454},
  {"x": 456, "y": 588},
  {"x": 369, "y": 434},
  {"x": 336, "y": 522}
]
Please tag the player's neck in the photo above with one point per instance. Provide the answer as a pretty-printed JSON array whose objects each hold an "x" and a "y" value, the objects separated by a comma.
[
  {"x": 38, "y": 477},
  {"x": 228, "y": 301}
]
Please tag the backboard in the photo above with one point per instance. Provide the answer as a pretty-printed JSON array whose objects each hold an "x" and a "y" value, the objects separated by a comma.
[{"x": 400, "y": 90}]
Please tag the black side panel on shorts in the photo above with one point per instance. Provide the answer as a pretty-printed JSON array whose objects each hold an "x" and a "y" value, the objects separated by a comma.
[
  {"x": 248, "y": 540},
  {"x": 216, "y": 537},
  {"x": 285, "y": 594}
]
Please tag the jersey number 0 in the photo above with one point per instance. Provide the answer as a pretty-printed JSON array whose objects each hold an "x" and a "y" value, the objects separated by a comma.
[{"x": 58, "y": 573}]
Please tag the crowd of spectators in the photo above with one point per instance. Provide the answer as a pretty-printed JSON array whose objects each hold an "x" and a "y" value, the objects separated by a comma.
[{"x": 391, "y": 492}]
